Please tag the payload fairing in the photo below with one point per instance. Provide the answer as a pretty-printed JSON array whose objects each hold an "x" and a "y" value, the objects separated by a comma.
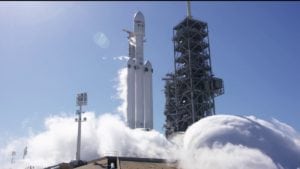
[{"x": 139, "y": 79}]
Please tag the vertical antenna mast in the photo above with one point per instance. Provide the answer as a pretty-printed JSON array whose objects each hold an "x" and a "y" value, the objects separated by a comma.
[{"x": 189, "y": 9}]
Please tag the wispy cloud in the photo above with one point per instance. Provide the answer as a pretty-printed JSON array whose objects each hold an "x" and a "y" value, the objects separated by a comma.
[
  {"x": 121, "y": 58},
  {"x": 104, "y": 58},
  {"x": 116, "y": 58}
]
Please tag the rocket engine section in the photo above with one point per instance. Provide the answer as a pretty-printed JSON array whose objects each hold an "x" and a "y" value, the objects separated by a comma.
[{"x": 139, "y": 79}]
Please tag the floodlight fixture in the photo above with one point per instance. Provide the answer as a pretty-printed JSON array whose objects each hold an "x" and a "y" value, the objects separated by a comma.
[{"x": 81, "y": 99}]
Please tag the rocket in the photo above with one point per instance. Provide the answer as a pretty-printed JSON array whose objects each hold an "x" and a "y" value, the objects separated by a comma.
[{"x": 139, "y": 79}]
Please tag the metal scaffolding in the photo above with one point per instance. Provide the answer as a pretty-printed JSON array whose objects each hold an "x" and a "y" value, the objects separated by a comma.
[{"x": 191, "y": 89}]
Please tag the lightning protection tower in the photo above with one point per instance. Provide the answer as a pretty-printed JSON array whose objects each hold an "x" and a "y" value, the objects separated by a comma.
[
  {"x": 81, "y": 100},
  {"x": 191, "y": 89}
]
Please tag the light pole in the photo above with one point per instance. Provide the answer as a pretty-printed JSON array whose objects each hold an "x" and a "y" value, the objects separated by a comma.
[
  {"x": 81, "y": 100},
  {"x": 13, "y": 154}
]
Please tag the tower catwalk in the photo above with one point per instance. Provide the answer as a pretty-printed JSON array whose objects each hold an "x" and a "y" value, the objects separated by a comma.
[
  {"x": 191, "y": 89},
  {"x": 139, "y": 79}
]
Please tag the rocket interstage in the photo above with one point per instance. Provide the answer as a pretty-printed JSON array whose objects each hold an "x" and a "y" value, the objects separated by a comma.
[{"x": 139, "y": 79}]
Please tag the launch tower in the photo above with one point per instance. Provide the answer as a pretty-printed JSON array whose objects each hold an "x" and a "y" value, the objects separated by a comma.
[{"x": 191, "y": 89}]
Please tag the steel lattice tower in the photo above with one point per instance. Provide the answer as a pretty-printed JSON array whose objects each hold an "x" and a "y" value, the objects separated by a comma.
[{"x": 191, "y": 89}]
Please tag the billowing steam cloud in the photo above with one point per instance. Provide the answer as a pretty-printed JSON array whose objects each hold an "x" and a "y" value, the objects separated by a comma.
[
  {"x": 102, "y": 135},
  {"x": 221, "y": 141},
  {"x": 225, "y": 141},
  {"x": 122, "y": 91}
]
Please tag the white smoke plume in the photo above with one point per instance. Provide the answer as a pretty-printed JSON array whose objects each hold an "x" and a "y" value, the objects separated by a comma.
[
  {"x": 229, "y": 142},
  {"x": 101, "y": 135},
  {"x": 220, "y": 141},
  {"x": 122, "y": 91}
]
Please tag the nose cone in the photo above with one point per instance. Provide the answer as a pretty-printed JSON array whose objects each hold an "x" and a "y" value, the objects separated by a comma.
[{"x": 139, "y": 17}]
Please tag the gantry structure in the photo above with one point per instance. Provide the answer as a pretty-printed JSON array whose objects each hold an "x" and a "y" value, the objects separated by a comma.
[{"x": 190, "y": 90}]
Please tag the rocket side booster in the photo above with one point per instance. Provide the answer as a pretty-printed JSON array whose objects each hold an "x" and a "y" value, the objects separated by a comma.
[
  {"x": 130, "y": 98},
  {"x": 139, "y": 79},
  {"x": 148, "y": 102}
]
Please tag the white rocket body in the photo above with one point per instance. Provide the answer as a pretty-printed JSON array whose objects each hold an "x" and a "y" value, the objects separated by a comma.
[{"x": 139, "y": 79}]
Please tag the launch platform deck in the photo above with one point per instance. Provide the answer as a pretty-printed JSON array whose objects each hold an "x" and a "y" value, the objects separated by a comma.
[
  {"x": 128, "y": 163},
  {"x": 113, "y": 162}
]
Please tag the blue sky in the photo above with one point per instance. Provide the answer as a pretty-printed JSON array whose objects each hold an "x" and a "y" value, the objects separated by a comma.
[{"x": 48, "y": 55}]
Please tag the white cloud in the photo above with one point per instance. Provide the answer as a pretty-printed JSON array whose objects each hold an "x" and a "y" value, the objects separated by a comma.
[
  {"x": 121, "y": 58},
  {"x": 116, "y": 58}
]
